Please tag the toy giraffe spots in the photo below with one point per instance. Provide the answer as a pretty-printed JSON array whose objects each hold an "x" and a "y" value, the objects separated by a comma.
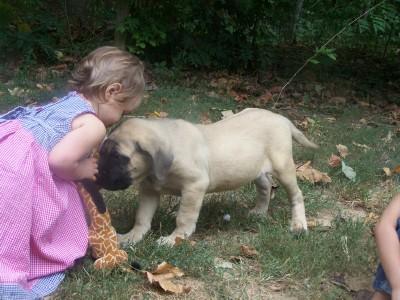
[{"x": 102, "y": 235}]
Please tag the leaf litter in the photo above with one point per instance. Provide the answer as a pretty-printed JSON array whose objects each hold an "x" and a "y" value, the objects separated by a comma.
[
  {"x": 162, "y": 277},
  {"x": 307, "y": 172}
]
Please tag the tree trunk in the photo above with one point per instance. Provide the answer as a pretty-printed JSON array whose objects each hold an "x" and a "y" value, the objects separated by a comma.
[
  {"x": 297, "y": 13},
  {"x": 122, "y": 10}
]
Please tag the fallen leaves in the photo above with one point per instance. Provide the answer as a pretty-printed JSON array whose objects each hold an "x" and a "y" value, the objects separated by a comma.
[
  {"x": 343, "y": 150},
  {"x": 362, "y": 146},
  {"x": 390, "y": 172},
  {"x": 179, "y": 241},
  {"x": 266, "y": 97},
  {"x": 323, "y": 222},
  {"x": 205, "y": 118},
  {"x": 248, "y": 251},
  {"x": 18, "y": 92},
  {"x": 388, "y": 138},
  {"x": 387, "y": 171},
  {"x": 306, "y": 123},
  {"x": 348, "y": 172},
  {"x": 161, "y": 277},
  {"x": 157, "y": 114},
  {"x": 45, "y": 87},
  {"x": 307, "y": 172},
  {"x": 334, "y": 161}
]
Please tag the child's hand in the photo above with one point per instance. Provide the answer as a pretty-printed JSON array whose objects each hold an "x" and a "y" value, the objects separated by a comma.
[{"x": 87, "y": 169}]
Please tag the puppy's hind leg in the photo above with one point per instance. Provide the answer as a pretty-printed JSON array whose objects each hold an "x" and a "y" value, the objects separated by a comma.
[
  {"x": 286, "y": 174},
  {"x": 264, "y": 187}
]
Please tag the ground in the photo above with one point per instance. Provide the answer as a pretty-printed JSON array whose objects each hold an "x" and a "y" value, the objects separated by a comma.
[{"x": 335, "y": 260}]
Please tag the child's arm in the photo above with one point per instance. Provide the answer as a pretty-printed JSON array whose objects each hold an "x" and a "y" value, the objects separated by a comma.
[
  {"x": 389, "y": 245},
  {"x": 67, "y": 158}
]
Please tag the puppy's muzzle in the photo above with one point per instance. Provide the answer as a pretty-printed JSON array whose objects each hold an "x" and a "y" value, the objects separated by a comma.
[{"x": 113, "y": 168}]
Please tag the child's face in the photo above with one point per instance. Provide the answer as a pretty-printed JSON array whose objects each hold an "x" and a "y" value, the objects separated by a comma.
[{"x": 112, "y": 111}]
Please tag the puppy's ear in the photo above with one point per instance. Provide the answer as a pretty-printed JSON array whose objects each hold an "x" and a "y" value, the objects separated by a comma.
[
  {"x": 162, "y": 162},
  {"x": 107, "y": 146},
  {"x": 161, "y": 156}
]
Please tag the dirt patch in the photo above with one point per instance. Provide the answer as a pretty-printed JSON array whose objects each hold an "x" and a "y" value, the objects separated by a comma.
[
  {"x": 198, "y": 291},
  {"x": 380, "y": 196}
]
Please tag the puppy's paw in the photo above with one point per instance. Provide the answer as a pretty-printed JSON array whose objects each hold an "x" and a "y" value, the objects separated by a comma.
[
  {"x": 297, "y": 226},
  {"x": 126, "y": 240},
  {"x": 166, "y": 241}
]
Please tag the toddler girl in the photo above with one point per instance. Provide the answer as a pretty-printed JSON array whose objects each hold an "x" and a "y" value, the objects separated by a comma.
[{"x": 43, "y": 150}]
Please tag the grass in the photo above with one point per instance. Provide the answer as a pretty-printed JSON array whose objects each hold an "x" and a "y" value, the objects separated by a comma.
[{"x": 287, "y": 266}]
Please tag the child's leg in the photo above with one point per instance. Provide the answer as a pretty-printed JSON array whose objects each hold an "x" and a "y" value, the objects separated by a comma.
[
  {"x": 381, "y": 284},
  {"x": 380, "y": 296}
]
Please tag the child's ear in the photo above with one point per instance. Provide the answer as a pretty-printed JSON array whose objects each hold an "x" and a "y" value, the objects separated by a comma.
[{"x": 113, "y": 89}]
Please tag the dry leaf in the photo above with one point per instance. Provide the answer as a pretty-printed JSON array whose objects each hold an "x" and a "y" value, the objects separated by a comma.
[
  {"x": 343, "y": 151},
  {"x": 174, "y": 288},
  {"x": 306, "y": 172},
  {"x": 248, "y": 251},
  {"x": 363, "y": 103},
  {"x": 162, "y": 114},
  {"x": 387, "y": 171},
  {"x": 162, "y": 276},
  {"x": 334, "y": 161},
  {"x": 179, "y": 240},
  {"x": 158, "y": 114},
  {"x": 239, "y": 97},
  {"x": 236, "y": 259},
  {"x": 348, "y": 172},
  {"x": 306, "y": 122},
  {"x": 396, "y": 170},
  {"x": 338, "y": 100},
  {"x": 363, "y": 146},
  {"x": 18, "y": 92},
  {"x": 275, "y": 89},
  {"x": 323, "y": 222},
  {"x": 44, "y": 86},
  {"x": 388, "y": 138},
  {"x": 363, "y": 121},
  {"x": 331, "y": 119},
  {"x": 371, "y": 218},
  {"x": 266, "y": 97},
  {"x": 205, "y": 118},
  {"x": 165, "y": 267}
]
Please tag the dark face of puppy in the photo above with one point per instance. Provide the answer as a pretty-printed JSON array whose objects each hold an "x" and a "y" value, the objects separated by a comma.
[
  {"x": 131, "y": 154},
  {"x": 113, "y": 167}
]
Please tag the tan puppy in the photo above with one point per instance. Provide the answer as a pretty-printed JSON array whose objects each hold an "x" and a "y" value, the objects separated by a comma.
[{"x": 190, "y": 160}]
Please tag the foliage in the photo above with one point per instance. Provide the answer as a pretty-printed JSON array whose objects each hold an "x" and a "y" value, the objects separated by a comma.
[
  {"x": 35, "y": 30},
  {"x": 236, "y": 34},
  {"x": 242, "y": 33}
]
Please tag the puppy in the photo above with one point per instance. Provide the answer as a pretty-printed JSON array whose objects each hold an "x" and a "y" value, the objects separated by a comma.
[{"x": 189, "y": 160}]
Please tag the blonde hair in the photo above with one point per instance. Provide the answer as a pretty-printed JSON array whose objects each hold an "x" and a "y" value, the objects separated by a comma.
[{"x": 107, "y": 65}]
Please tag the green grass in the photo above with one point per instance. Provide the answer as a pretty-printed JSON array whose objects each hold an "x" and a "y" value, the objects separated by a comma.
[{"x": 303, "y": 265}]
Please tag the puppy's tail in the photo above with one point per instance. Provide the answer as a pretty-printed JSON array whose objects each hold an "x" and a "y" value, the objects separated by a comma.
[{"x": 301, "y": 138}]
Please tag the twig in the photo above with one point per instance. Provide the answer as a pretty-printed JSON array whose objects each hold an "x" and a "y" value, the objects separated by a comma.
[{"x": 323, "y": 46}]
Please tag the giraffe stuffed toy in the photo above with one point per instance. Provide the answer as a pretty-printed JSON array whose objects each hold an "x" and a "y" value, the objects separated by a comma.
[{"x": 102, "y": 235}]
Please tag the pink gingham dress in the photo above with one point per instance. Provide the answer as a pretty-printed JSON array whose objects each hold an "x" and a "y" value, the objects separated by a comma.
[{"x": 43, "y": 227}]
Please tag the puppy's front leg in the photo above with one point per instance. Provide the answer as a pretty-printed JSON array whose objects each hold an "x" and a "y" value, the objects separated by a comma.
[
  {"x": 148, "y": 202},
  {"x": 188, "y": 213}
]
